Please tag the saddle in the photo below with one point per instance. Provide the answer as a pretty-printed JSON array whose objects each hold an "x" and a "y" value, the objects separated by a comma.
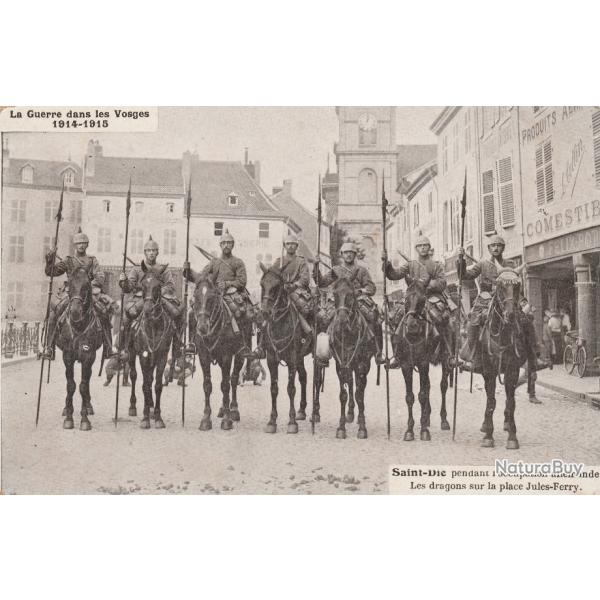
[{"x": 437, "y": 310}]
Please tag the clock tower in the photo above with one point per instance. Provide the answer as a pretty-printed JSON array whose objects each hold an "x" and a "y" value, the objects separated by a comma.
[{"x": 366, "y": 156}]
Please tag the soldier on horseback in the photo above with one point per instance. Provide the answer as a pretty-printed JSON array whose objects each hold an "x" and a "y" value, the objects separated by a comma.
[
  {"x": 488, "y": 270},
  {"x": 364, "y": 288},
  {"x": 431, "y": 274},
  {"x": 294, "y": 270},
  {"x": 132, "y": 284},
  {"x": 102, "y": 302},
  {"x": 228, "y": 273}
]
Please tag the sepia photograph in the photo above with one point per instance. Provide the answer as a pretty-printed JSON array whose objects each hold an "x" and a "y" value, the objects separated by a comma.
[{"x": 307, "y": 300}]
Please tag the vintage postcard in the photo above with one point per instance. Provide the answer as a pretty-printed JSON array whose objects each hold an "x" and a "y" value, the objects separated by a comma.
[{"x": 300, "y": 300}]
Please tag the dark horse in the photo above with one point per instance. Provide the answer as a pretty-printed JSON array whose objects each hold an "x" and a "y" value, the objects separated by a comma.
[
  {"x": 416, "y": 344},
  {"x": 352, "y": 345},
  {"x": 502, "y": 352},
  {"x": 216, "y": 341},
  {"x": 284, "y": 339},
  {"x": 150, "y": 339},
  {"x": 79, "y": 336}
]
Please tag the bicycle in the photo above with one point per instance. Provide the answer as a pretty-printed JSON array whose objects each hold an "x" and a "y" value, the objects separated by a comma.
[{"x": 575, "y": 354}]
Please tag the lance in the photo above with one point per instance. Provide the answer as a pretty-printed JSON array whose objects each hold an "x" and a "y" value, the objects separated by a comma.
[
  {"x": 384, "y": 204},
  {"x": 45, "y": 330},
  {"x": 188, "y": 207},
  {"x": 316, "y": 377},
  {"x": 463, "y": 214},
  {"x": 204, "y": 253},
  {"x": 121, "y": 328}
]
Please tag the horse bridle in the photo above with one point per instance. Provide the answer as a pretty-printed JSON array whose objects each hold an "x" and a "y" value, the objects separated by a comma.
[{"x": 219, "y": 306}]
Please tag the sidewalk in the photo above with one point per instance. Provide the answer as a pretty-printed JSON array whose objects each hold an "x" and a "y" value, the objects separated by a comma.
[
  {"x": 16, "y": 359},
  {"x": 558, "y": 380}
]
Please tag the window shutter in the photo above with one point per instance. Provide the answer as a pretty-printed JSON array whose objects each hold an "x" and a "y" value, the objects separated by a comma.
[
  {"x": 539, "y": 175},
  {"x": 596, "y": 136},
  {"x": 505, "y": 187},
  {"x": 489, "y": 219},
  {"x": 548, "y": 171}
]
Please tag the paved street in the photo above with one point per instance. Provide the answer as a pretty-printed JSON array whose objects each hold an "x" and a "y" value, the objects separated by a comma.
[{"x": 246, "y": 460}]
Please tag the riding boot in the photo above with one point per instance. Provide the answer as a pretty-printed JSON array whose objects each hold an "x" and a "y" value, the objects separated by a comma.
[
  {"x": 48, "y": 350},
  {"x": 259, "y": 351},
  {"x": 468, "y": 354},
  {"x": 379, "y": 360},
  {"x": 108, "y": 350},
  {"x": 124, "y": 343}
]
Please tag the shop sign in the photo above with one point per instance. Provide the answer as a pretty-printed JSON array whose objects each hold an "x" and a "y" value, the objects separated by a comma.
[{"x": 571, "y": 243}]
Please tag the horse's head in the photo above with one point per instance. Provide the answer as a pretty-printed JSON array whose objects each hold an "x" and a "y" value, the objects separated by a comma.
[
  {"x": 415, "y": 306},
  {"x": 271, "y": 284},
  {"x": 206, "y": 295},
  {"x": 508, "y": 287},
  {"x": 80, "y": 293},
  {"x": 344, "y": 298},
  {"x": 151, "y": 289}
]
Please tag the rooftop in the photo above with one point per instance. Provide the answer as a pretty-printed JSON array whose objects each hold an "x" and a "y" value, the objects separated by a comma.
[{"x": 46, "y": 173}]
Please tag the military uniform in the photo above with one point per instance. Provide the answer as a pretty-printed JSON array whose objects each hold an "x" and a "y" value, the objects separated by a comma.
[
  {"x": 134, "y": 302},
  {"x": 296, "y": 277},
  {"x": 365, "y": 290},
  {"x": 102, "y": 302},
  {"x": 487, "y": 270},
  {"x": 431, "y": 273}
]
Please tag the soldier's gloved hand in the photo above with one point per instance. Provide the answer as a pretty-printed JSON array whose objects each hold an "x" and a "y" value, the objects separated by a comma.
[
  {"x": 461, "y": 266},
  {"x": 122, "y": 280},
  {"x": 187, "y": 272},
  {"x": 50, "y": 255}
]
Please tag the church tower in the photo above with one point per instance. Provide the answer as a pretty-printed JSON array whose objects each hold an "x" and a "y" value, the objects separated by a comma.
[{"x": 365, "y": 153}]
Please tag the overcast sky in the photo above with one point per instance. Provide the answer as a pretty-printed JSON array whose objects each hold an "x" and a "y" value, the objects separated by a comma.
[{"x": 290, "y": 143}]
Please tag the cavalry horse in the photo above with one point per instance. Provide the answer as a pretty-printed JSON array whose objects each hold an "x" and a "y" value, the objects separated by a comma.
[
  {"x": 283, "y": 340},
  {"x": 150, "y": 338},
  {"x": 212, "y": 332},
  {"x": 79, "y": 335},
  {"x": 416, "y": 345},
  {"x": 502, "y": 351},
  {"x": 352, "y": 345}
]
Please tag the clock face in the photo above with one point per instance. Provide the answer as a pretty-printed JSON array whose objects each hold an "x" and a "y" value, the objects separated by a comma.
[{"x": 367, "y": 122}]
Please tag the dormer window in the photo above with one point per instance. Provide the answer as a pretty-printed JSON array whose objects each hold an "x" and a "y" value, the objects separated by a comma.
[
  {"x": 233, "y": 199},
  {"x": 252, "y": 193},
  {"x": 27, "y": 174},
  {"x": 69, "y": 178}
]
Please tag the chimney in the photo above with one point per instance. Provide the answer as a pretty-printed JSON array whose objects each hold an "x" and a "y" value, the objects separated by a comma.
[
  {"x": 287, "y": 187},
  {"x": 186, "y": 167},
  {"x": 90, "y": 159},
  {"x": 245, "y": 155}
]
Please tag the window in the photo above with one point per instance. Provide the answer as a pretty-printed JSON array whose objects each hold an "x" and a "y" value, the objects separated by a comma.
[
  {"x": 367, "y": 187},
  {"x": 543, "y": 172},
  {"x": 263, "y": 230},
  {"x": 75, "y": 211},
  {"x": 170, "y": 241},
  {"x": 106, "y": 206},
  {"x": 17, "y": 210},
  {"x": 487, "y": 188},
  {"x": 16, "y": 249},
  {"x": 445, "y": 154},
  {"x": 136, "y": 246},
  {"x": 14, "y": 297},
  {"x": 50, "y": 210},
  {"x": 170, "y": 208},
  {"x": 367, "y": 130},
  {"x": 104, "y": 239},
  {"x": 505, "y": 191},
  {"x": 430, "y": 201},
  {"x": 218, "y": 228},
  {"x": 69, "y": 178},
  {"x": 233, "y": 199},
  {"x": 416, "y": 215},
  {"x": 596, "y": 136},
  {"x": 27, "y": 174},
  {"x": 467, "y": 130},
  {"x": 445, "y": 226},
  {"x": 46, "y": 246},
  {"x": 139, "y": 207},
  {"x": 455, "y": 143}
]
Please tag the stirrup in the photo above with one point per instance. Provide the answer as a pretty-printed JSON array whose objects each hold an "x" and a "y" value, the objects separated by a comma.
[{"x": 47, "y": 353}]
